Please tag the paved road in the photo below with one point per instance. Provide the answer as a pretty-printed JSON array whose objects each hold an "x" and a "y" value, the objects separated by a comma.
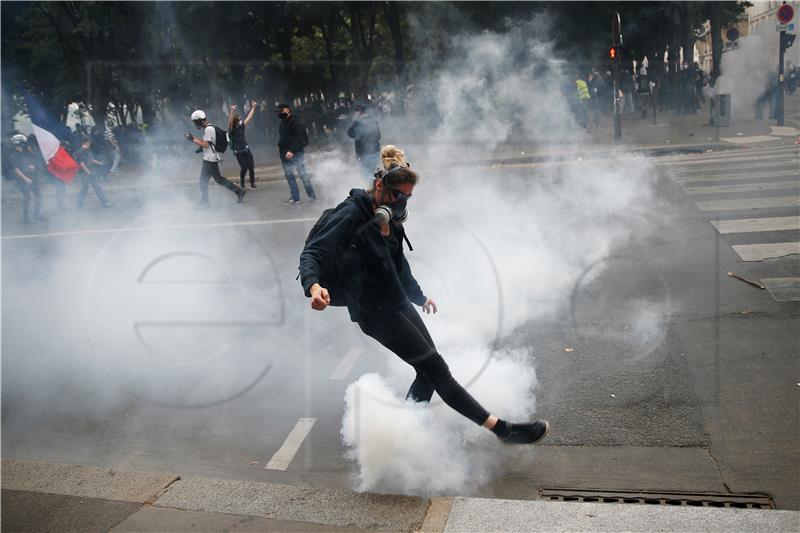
[{"x": 154, "y": 336}]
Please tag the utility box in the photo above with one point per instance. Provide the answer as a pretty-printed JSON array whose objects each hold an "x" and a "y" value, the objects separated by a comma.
[{"x": 723, "y": 110}]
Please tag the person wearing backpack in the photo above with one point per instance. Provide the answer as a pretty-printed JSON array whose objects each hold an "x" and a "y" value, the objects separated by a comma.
[
  {"x": 293, "y": 139},
  {"x": 213, "y": 144},
  {"x": 354, "y": 257}
]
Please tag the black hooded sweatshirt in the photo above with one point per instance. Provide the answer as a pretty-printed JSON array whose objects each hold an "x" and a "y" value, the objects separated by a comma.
[{"x": 361, "y": 269}]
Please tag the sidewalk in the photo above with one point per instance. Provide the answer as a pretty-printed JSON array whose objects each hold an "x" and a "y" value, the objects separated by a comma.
[{"x": 39, "y": 496}]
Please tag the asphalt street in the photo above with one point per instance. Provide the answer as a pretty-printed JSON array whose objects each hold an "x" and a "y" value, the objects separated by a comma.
[{"x": 159, "y": 337}]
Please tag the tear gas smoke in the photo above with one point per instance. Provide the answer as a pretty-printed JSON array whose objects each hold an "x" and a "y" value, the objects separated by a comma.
[
  {"x": 497, "y": 250},
  {"x": 539, "y": 232},
  {"x": 749, "y": 70}
]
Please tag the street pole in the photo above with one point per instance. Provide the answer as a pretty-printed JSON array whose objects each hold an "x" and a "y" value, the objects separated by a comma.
[
  {"x": 616, "y": 41},
  {"x": 779, "y": 88}
]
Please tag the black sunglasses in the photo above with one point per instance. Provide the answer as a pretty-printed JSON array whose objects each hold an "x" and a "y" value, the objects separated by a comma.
[{"x": 399, "y": 195}]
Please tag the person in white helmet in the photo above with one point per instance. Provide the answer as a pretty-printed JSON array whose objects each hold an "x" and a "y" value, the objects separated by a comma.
[
  {"x": 211, "y": 159},
  {"x": 24, "y": 171}
]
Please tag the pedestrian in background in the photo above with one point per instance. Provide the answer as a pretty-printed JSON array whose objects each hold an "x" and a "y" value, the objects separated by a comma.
[
  {"x": 366, "y": 134},
  {"x": 24, "y": 171},
  {"x": 90, "y": 167},
  {"x": 583, "y": 101},
  {"x": 239, "y": 145},
  {"x": 293, "y": 138},
  {"x": 211, "y": 159},
  {"x": 112, "y": 141}
]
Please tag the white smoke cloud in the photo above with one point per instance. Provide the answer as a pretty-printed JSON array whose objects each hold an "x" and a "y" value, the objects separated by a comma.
[
  {"x": 748, "y": 70},
  {"x": 496, "y": 254}
]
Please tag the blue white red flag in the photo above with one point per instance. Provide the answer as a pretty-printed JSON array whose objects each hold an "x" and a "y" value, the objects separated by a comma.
[{"x": 47, "y": 131}]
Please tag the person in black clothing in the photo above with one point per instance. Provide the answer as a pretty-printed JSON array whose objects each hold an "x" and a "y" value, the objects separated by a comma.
[
  {"x": 239, "y": 145},
  {"x": 358, "y": 253},
  {"x": 88, "y": 173},
  {"x": 293, "y": 139},
  {"x": 366, "y": 133},
  {"x": 24, "y": 171}
]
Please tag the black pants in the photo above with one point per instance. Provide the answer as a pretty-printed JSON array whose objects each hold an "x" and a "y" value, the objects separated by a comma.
[
  {"x": 405, "y": 334},
  {"x": 88, "y": 180},
  {"x": 28, "y": 190},
  {"x": 246, "y": 163},
  {"x": 211, "y": 170}
]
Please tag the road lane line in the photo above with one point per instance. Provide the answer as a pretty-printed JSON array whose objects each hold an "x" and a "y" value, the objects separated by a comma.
[
  {"x": 744, "y": 187},
  {"x": 283, "y": 457},
  {"x": 749, "y": 203},
  {"x": 759, "y": 252},
  {"x": 753, "y": 225},
  {"x": 346, "y": 364},
  {"x": 741, "y": 166},
  {"x": 157, "y": 228}
]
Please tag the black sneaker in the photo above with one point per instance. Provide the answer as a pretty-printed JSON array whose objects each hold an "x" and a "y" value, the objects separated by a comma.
[
  {"x": 240, "y": 195},
  {"x": 253, "y": 186},
  {"x": 526, "y": 433}
]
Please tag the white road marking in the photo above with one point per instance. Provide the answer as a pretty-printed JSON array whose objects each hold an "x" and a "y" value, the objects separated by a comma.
[
  {"x": 749, "y": 203},
  {"x": 283, "y": 457},
  {"x": 346, "y": 364},
  {"x": 783, "y": 289},
  {"x": 736, "y": 176},
  {"x": 748, "y": 140},
  {"x": 742, "y": 166},
  {"x": 752, "y": 225},
  {"x": 759, "y": 252},
  {"x": 158, "y": 228},
  {"x": 744, "y": 187}
]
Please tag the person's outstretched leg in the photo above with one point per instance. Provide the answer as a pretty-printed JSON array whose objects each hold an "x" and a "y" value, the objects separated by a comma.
[
  {"x": 241, "y": 157},
  {"x": 399, "y": 333}
]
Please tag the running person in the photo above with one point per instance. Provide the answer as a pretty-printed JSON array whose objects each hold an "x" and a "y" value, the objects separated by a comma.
[
  {"x": 362, "y": 241},
  {"x": 211, "y": 159},
  {"x": 239, "y": 145}
]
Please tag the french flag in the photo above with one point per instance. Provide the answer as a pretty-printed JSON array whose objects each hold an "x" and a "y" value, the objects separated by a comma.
[{"x": 57, "y": 159}]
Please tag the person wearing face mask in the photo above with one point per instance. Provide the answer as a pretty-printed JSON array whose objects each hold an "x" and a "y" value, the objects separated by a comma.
[
  {"x": 354, "y": 257},
  {"x": 293, "y": 139}
]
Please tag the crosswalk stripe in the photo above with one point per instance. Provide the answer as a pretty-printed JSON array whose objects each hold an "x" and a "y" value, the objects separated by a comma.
[
  {"x": 747, "y": 156},
  {"x": 744, "y": 187},
  {"x": 736, "y": 177},
  {"x": 745, "y": 164},
  {"x": 749, "y": 203},
  {"x": 783, "y": 289},
  {"x": 760, "y": 252},
  {"x": 753, "y": 225}
]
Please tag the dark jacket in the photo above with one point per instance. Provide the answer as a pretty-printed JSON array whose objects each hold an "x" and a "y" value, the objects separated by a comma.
[
  {"x": 293, "y": 136},
  {"x": 362, "y": 269},
  {"x": 366, "y": 133}
]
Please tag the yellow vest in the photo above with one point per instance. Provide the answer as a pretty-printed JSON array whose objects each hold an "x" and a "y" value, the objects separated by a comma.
[{"x": 583, "y": 89}]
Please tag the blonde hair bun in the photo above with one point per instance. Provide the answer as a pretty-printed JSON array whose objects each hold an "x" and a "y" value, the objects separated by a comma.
[{"x": 392, "y": 156}]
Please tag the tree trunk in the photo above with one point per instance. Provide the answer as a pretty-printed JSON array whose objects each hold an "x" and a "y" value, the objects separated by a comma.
[
  {"x": 391, "y": 12},
  {"x": 716, "y": 40}
]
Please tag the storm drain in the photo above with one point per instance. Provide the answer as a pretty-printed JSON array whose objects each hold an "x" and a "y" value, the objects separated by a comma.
[{"x": 741, "y": 501}]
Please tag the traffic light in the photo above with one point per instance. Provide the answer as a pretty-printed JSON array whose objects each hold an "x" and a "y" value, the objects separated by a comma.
[{"x": 612, "y": 52}]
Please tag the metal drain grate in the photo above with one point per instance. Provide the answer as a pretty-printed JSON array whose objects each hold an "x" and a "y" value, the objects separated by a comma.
[{"x": 741, "y": 501}]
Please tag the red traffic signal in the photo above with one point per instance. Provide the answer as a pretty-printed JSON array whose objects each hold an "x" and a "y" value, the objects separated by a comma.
[{"x": 612, "y": 52}]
